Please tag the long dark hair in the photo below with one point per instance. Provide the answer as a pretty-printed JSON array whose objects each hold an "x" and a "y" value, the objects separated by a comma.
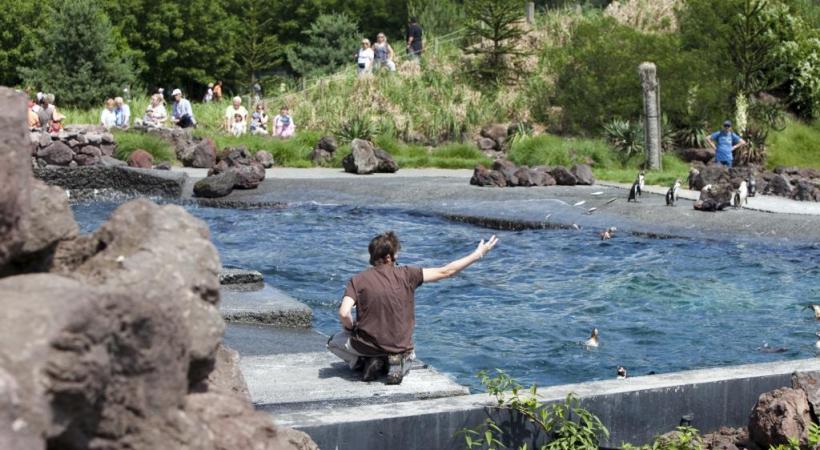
[{"x": 382, "y": 246}]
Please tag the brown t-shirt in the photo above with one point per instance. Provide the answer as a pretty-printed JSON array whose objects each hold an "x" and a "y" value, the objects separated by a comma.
[{"x": 385, "y": 308}]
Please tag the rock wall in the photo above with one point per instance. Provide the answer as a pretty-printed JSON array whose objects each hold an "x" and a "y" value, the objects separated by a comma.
[
  {"x": 505, "y": 173},
  {"x": 76, "y": 145},
  {"x": 112, "y": 340}
]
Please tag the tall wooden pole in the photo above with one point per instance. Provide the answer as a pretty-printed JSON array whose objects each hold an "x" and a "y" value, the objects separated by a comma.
[{"x": 652, "y": 114}]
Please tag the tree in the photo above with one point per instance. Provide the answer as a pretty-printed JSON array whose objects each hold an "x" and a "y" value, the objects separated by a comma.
[
  {"x": 259, "y": 48},
  {"x": 329, "y": 44},
  {"x": 494, "y": 34},
  {"x": 18, "y": 38},
  {"x": 78, "y": 61}
]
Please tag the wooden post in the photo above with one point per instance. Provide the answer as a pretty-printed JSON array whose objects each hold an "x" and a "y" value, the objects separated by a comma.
[
  {"x": 530, "y": 12},
  {"x": 652, "y": 114}
]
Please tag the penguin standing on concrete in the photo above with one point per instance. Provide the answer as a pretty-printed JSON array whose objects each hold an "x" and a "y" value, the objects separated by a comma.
[
  {"x": 593, "y": 339},
  {"x": 637, "y": 188},
  {"x": 741, "y": 195},
  {"x": 693, "y": 173},
  {"x": 752, "y": 185},
  {"x": 672, "y": 193}
]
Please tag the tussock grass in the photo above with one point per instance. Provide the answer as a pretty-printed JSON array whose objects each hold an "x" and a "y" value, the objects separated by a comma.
[
  {"x": 673, "y": 167},
  {"x": 128, "y": 141},
  {"x": 553, "y": 150},
  {"x": 293, "y": 152},
  {"x": 797, "y": 145}
]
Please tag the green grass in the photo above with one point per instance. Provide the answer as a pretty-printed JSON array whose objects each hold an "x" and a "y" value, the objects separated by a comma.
[
  {"x": 673, "y": 168},
  {"x": 449, "y": 156},
  {"x": 292, "y": 152},
  {"x": 553, "y": 150},
  {"x": 797, "y": 145},
  {"x": 128, "y": 141}
]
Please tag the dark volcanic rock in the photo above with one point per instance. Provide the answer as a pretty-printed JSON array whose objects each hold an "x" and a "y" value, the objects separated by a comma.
[
  {"x": 15, "y": 173},
  {"x": 713, "y": 174},
  {"x": 119, "y": 177},
  {"x": 165, "y": 165},
  {"x": 248, "y": 176},
  {"x": 714, "y": 197},
  {"x": 779, "y": 415},
  {"x": 57, "y": 153},
  {"x": 386, "y": 162},
  {"x": 264, "y": 158},
  {"x": 486, "y": 144},
  {"x": 49, "y": 221},
  {"x": 239, "y": 276},
  {"x": 328, "y": 144},
  {"x": 508, "y": 169},
  {"x": 805, "y": 191},
  {"x": 320, "y": 156},
  {"x": 484, "y": 177},
  {"x": 563, "y": 177},
  {"x": 583, "y": 174},
  {"x": 140, "y": 159},
  {"x": 497, "y": 132},
  {"x": 703, "y": 155},
  {"x": 540, "y": 176},
  {"x": 200, "y": 154},
  {"x": 522, "y": 174},
  {"x": 214, "y": 186},
  {"x": 809, "y": 382},
  {"x": 779, "y": 185},
  {"x": 362, "y": 158}
]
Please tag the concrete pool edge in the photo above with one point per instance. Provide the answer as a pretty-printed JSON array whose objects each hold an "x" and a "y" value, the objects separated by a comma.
[{"x": 634, "y": 410}]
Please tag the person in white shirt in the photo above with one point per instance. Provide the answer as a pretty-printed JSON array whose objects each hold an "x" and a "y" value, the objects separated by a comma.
[
  {"x": 238, "y": 127},
  {"x": 235, "y": 108},
  {"x": 108, "y": 118},
  {"x": 364, "y": 58},
  {"x": 123, "y": 113},
  {"x": 209, "y": 94}
]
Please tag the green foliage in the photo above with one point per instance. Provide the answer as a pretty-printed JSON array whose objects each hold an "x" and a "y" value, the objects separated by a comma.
[
  {"x": 566, "y": 424},
  {"x": 293, "y": 152},
  {"x": 439, "y": 17},
  {"x": 691, "y": 136},
  {"x": 625, "y": 137},
  {"x": 795, "y": 146},
  {"x": 20, "y": 23},
  {"x": 357, "y": 127},
  {"x": 79, "y": 64},
  {"x": 673, "y": 167},
  {"x": 684, "y": 438},
  {"x": 553, "y": 150},
  {"x": 327, "y": 45},
  {"x": 128, "y": 141},
  {"x": 259, "y": 49},
  {"x": 494, "y": 34}
]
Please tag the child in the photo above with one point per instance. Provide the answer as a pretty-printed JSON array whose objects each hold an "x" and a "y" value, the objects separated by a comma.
[
  {"x": 238, "y": 128},
  {"x": 283, "y": 125},
  {"x": 259, "y": 120},
  {"x": 57, "y": 122}
]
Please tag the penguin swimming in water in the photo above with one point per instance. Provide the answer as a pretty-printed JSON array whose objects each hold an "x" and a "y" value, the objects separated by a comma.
[
  {"x": 593, "y": 339},
  {"x": 672, "y": 193},
  {"x": 637, "y": 188},
  {"x": 740, "y": 196},
  {"x": 621, "y": 372},
  {"x": 769, "y": 349},
  {"x": 816, "y": 309},
  {"x": 693, "y": 173},
  {"x": 607, "y": 234}
]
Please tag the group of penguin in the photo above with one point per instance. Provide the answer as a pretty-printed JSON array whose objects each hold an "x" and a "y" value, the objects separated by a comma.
[{"x": 739, "y": 198}]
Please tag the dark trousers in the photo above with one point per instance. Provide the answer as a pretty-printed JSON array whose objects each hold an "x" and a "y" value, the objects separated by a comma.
[{"x": 185, "y": 121}]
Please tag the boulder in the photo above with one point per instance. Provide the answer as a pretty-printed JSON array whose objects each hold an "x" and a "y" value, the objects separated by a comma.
[
  {"x": 805, "y": 191},
  {"x": 320, "y": 157},
  {"x": 362, "y": 158},
  {"x": 165, "y": 165},
  {"x": 563, "y": 177},
  {"x": 486, "y": 144},
  {"x": 779, "y": 185},
  {"x": 49, "y": 221},
  {"x": 264, "y": 158},
  {"x": 201, "y": 154},
  {"x": 214, "y": 186},
  {"x": 779, "y": 415},
  {"x": 484, "y": 177},
  {"x": 386, "y": 162},
  {"x": 703, "y": 155},
  {"x": 508, "y": 169},
  {"x": 58, "y": 154},
  {"x": 44, "y": 140},
  {"x": 15, "y": 432},
  {"x": 809, "y": 382},
  {"x": 328, "y": 144},
  {"x": 248, "y": 176},
  {"x": 522, "y": 174},
  {"x": 715, "y": 197},
  {"x": 15, "y": 173},
  {"x": 540, "y": 176},
  {"x": 107, "y": 150},
  {"x": 497, "y": 132},
  {"x": 727, "y": 439},
  {"x": 713, "y": 174},
  {"x": 91, "y": 150},
  {"x": 583, "y": 174},
  {"x": 140, "y": 159},
  {"x": 239, "y": 276}
]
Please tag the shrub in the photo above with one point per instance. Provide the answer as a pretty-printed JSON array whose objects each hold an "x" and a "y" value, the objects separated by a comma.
[
  {"x": 327, "y": 45},
  {"x": 625, "y": 137},
  {"x": 128, "y": 141},
  {"x": 357, "y": 127}
]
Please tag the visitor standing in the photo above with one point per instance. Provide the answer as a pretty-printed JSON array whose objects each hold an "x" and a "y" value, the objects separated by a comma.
[
  {"x": 123, "y": 113},
  {"x": 108, "y": 117},
  {"x": 259, "y": 120},
  {"x": 724, "y": 142},
  {"x": 209, "y": 94},
  {"x": 183, "y": 114},
  {"x": 383, "y": 53},
  {"x": 414, "y": 40},
  {"x": 218, "y": 91},
  {"x": 383, "y": 295},
  {"x": 364, "y": 57},
  {"x": 230, "y": 113},
  {"x": 283, "y": 125}
]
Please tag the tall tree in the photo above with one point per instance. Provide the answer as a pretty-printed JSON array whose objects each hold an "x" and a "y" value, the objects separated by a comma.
[
  {"x": 328, "y": 45},
  {"x": 494, "y": 33},
  {"x": 259, "y": 49},
  {"x": 78, "y": 61},
  {"x": 19, "y": 30}
]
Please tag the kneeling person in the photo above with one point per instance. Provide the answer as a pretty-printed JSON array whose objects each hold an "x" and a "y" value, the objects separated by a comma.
[{"x": 385, "y": 309}]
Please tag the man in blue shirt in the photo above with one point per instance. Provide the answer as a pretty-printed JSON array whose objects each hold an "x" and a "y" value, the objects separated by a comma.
[
  {"x": 724, "y": 142},
  {"x": 183, "y": 114}
]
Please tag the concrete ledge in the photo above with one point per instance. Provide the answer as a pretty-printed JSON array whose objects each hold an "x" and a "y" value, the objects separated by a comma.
[
  {"x": 127, "y": 180},
  {"x": 268, "y": 306},
  {"x": 634, "y": 410}
]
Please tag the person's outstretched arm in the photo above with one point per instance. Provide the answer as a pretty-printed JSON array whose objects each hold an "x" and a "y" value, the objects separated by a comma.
[{"x": 440, "y": 273}]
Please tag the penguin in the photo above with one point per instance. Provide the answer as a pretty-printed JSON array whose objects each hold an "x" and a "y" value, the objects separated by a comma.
[
  {"x": 607, "y": 234},
  {"x": 769, "y": 349},
  {"x": 741, "y": 195},
  {"x": 593, "y": 339},
  {"x": 816, "y": 309},
  {"x": 752, "y": 185},
  {"x": 672, "y": 193},
  {"x": 817, "y": 344},
  {"x": 707, "y": 188},
  {"x": 693, "y": 173},
  {"x": 637, "y": 188},
  {"x": 622, "y": 373}
]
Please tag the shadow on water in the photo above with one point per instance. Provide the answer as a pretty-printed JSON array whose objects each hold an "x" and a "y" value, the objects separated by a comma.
[{"x": 660, "y": 304}]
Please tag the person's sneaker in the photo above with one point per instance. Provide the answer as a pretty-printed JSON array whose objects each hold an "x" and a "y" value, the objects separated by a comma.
[
  {"x": 396, "y": 368},
  {"x": 359, "y": 365},
  {"x": 373, "y": 368}
]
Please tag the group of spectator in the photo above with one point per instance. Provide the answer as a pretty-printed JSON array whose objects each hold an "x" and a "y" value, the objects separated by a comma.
[
  {"x": 236, "y": 120},
  {"x": 43, "y": 115},
  {"x": 381, "y": 54},
  {"x": 116, "y": 114}
]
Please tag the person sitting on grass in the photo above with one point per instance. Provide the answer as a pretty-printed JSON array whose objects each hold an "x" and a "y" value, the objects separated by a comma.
[
  {"x": 259, "y": 120},
  {"x": 238, "y": 127},
  {"x": 283, "y": 125},
  {"x": 232, "y": 110},
  {"x": 123, "y": 113},
  {"x": 108, "y": 118},
  {"x": 183, "y": 114},
  {"x": 155, "y": 114},
  {"x": 382, "y": 333}
]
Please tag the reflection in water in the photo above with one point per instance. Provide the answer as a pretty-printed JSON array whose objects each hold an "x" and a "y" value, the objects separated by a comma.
[{"x": 660, "y": 305}]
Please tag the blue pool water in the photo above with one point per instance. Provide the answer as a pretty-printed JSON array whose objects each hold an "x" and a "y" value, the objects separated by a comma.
[{"x": 660, "y": 304}]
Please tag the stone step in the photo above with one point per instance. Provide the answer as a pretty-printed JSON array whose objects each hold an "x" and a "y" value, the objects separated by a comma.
[{"x": 268, "y": 306}]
